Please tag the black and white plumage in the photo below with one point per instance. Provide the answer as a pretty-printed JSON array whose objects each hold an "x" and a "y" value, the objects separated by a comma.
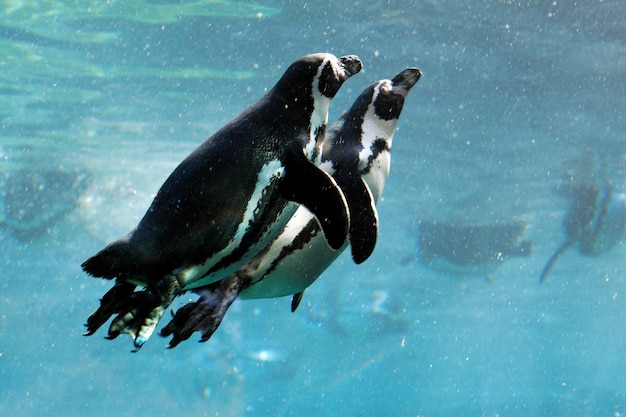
[
  {"x": 356, "y": 152},
  {"x": 228, "y": 199}
]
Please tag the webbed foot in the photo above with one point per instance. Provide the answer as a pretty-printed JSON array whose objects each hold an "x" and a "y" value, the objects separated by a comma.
[
  {"x": 205, "y": 314},
  {"x": 138, "y": 316},
  {"x": 108, "y": 306},
  {"x": 137, "y": 312}
]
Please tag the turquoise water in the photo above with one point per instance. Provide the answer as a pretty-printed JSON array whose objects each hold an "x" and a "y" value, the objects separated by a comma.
[{"x": 511, "y": 92}]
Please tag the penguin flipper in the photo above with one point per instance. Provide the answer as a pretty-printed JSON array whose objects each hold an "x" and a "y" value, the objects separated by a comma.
[
  {"x": 207, "y": 312},
  {"x": 363, "y": 214},
  {"x": 306, "y": 184},
  {"x": 555, "y": 256},
  {"x": 295, "y": 301}
]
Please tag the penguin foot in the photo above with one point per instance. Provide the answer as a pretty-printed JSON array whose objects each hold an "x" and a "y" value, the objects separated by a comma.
[
  {"x": 137, "y": 312},
  {"x": 197, "y": 316},
  {"x": 108, "y": 306},
  {"x": 137, "y": 316},
  {"x": 205, "y": 314}
]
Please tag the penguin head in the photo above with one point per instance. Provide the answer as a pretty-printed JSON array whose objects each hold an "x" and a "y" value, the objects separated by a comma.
[
  {"x": 305, "y": 91},
  {"x": 316, "y": 75},
  {"x": 390, "y": 94},
  {"x": 367, "y": 129},
  {"x": 334, "y": 71}
]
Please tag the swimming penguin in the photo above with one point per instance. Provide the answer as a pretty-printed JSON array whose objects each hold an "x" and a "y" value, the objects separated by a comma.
[
  {"x": 595, "y": 222},
  {"x": 356, "y": 152},
  {"x": 33, "y": 200},
  {"x": 228, "y": 199},
  {"x": 470, "y": 249},
  {"x": 596, "y": 218}
]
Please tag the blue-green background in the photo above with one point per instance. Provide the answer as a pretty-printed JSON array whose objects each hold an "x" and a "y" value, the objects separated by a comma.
[{"x": 511, "y": 90}]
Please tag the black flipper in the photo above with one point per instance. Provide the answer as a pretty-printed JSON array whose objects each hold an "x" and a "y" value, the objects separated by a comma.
[
  {"x": 363, "y": 214},
  {"x": 295, "y": 301},
  {"x": 205, "y": 314},
  {"x": 109, "y": 305},
  {"x": 555, "y": 256},
  {"x": 306, "y": 184}
]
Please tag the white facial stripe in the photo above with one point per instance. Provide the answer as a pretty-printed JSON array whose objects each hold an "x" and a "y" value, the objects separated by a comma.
[
  {"x": 375, "y": 128},
  {"x": 377, "y": 169},
  {"x": 319, "y": 115}
]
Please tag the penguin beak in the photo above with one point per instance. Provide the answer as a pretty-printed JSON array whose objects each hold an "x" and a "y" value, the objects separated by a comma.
[
  {"x": 351, "y": 65},
  {"x": 404, "y": 81}
]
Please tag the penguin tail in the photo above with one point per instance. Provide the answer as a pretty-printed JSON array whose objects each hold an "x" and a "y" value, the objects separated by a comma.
[{"x": 108, "y": 263}]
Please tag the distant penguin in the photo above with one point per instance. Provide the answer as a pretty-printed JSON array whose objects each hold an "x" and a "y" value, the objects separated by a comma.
[
  {"x": 356, "y": 152},
  {"x": 596, "y": 218},
  {"x": 595, "y": 223},
  {"x": 467, "y": 249},
  {"x": 228, "y": 199},
  {"x": 33, "y": 200}
]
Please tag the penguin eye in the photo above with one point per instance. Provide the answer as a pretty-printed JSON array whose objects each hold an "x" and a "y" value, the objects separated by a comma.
[{"x": 385, "y": 88}]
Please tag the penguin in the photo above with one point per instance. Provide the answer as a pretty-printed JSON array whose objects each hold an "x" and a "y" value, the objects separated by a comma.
[
  {"x": 32, "y": 201},
  {"x": 594, "y": 223},
  {"x": 596, "y": 218},
  {"x": 470, "y": 249},
  {"x": 356, "y": 152},
  {"x": 228, "y": 199}
]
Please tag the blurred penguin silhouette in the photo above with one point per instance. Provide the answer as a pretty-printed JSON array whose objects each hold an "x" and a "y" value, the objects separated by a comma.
[
  {"x": 470, "y": 249},
  {"x": 596, "y": 219},
  {"x": 32, "y": 200}
]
